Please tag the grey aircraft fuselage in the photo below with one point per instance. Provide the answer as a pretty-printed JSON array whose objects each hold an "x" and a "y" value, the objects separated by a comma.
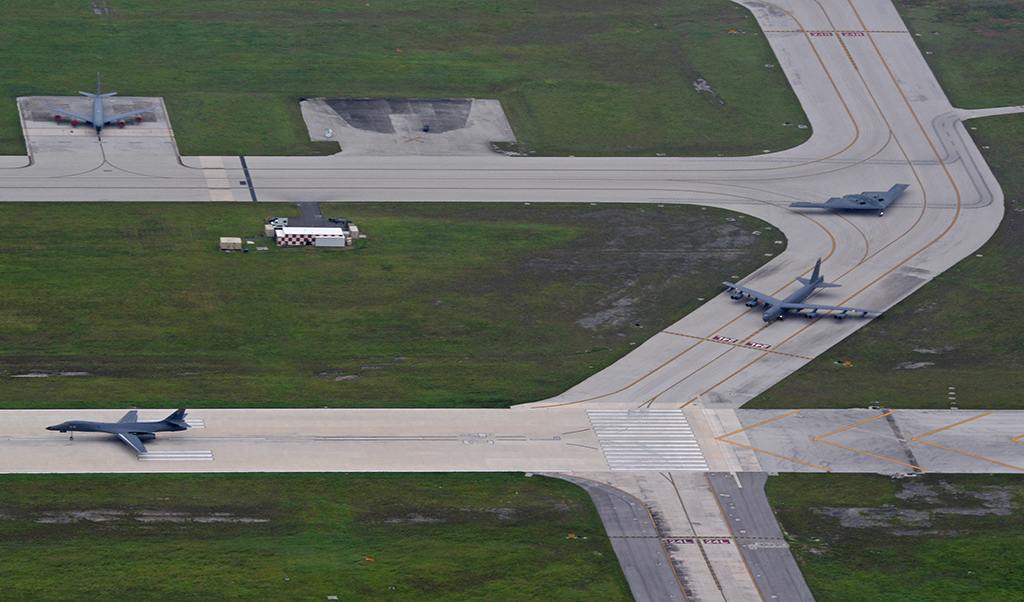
[
  {"x": 866, "y": 201},
  {"x": 775, "y": 309},
  {"x": 128, "y": 429},
  {"x": 99, "y": 118}
]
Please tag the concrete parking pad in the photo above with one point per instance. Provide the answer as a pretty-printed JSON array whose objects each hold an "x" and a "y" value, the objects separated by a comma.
[{"x": 408, "y": 126}]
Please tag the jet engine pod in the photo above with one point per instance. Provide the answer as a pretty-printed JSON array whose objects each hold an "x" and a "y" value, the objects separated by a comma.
[
  {"x": 138, "y": 119},
  {"x": 840, "y": 316},
  {"x": 56, "y": 118},
  {"x": 120, "y": 124},
  {"x": 752, "y": 303},
  {"x": 74, "y": 123}
]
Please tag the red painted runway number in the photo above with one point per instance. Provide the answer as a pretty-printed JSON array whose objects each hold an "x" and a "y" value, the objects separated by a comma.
[
  {"x": 854, "y": 34},
  {"x": 680, "y": 541},
  {"x": 733, "y": 341},
  {"x": 821, "y": 33},
  {"x": 715, "y": 540}
]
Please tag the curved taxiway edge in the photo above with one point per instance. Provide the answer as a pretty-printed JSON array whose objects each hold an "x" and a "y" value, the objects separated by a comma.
[{"x": 635, "y": 540}]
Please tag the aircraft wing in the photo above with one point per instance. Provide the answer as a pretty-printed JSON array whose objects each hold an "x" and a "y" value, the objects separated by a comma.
[
  {"x": 886, "y": 198},
  {"x": 837, "y": 203},
  {"x": 131, "y": 416},
  {"x": 120, "y": 116},
  {"x": 755, "y": 294},
  {"x": 78, "y": 116},
  {"x": 829, "y": 308},
  {"x": 133, "y": 441}
]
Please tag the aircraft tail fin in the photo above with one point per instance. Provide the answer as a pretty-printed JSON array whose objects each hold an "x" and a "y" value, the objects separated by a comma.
[
  {"x": 100, "y": 94},
  {"x": 177, "y": 418},
  {"x": 817, "y": 280}
]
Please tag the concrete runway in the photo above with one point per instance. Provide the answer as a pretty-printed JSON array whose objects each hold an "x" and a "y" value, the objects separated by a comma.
[{"x": 879, "y": 118}]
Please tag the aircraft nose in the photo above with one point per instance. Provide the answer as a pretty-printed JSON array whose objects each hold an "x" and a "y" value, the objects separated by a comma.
[{"x": 53, "y": 428}]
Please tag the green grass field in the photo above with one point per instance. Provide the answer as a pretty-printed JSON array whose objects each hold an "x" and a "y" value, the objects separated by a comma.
[
  {"x": 594, "y": 78},
  {"x": 303, "y": 537},
  {"x": 965, "y": 322},
  {"x": 117, "y": 311},
  {"x": 941, "y": 538},
  {"x": 457, "y": 306}
]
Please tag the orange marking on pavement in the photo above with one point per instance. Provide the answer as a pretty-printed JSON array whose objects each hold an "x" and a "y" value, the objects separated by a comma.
[
  {"x": 740, "y": 344},
  {"x": 919, "y": 438},
  {"x": 822, "y": 437},
  {"x": 723, "y": 438}
]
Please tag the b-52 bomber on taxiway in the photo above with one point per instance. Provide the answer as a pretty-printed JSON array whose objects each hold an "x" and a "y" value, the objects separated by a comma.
[
  {"x": 127, "y": 429},
  {"x": 865, "y": 201},
  {"x": 98, "y": 118},
  {"x": 775, "y": 309}
]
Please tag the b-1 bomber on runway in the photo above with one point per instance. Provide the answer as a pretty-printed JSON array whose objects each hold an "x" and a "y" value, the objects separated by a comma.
[
  {"x": 865, "y": 201},
  {"x": 775, "y": 309},
  {"x": 127, "y": 429}
]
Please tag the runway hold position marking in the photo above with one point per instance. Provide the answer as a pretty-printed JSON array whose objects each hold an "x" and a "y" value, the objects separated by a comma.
[{"x": 647, "y": 440}]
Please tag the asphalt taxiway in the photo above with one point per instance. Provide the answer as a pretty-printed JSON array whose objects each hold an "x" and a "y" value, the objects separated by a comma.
[{"x": 879, "y": 117}]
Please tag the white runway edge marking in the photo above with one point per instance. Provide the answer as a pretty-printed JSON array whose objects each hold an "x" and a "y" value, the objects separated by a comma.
[
  {"x": 195, "y": 424},
  {"x": 647, "y": 440},
  {"x": 176, "y": 456}
]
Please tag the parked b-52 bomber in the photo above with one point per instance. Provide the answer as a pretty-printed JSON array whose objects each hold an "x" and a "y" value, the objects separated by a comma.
[
  {"x": 98, "y": 119},
  {"x": 127, "y": 429},
  {"x": 775, "y": 309},
  {"x": 865, "y": 201}
]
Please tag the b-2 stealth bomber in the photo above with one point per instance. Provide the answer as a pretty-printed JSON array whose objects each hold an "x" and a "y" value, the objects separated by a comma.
[{"x": 865, "y": 201}]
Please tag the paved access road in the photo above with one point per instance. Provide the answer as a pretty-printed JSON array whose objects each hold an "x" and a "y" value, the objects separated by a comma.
[{"x": 879, "y": 118}]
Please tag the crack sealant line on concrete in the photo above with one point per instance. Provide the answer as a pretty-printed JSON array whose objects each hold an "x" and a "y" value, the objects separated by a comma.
[
  {"x": 899, "y": 437},
  {"x": 919, "y": 438},
  {"x": 723, "y": 438},
  {"x": 821, "y": 438},
  {"x": 248, "y": 179}
]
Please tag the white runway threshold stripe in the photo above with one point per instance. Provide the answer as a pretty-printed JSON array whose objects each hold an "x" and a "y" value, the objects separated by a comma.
[
  {"x": 176, "y": 456},
  {"x": 647, "y": 440},
  {"x": 195, "y": 424}
]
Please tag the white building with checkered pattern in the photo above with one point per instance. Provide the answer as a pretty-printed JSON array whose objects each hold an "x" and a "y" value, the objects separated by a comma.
[{"x": 297, "y": 237}]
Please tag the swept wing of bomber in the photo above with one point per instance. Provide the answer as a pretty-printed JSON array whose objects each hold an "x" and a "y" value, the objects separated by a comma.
[
  {"x": 127, "y": 429},
  {"x": 774, "y": 309},
  {"x": 865, "y": 201},
  {"x": 98, "y": 119}
]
